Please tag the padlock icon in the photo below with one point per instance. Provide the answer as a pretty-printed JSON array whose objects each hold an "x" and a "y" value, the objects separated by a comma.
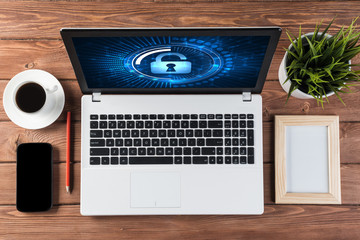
[{"x": 170, "y": 67}]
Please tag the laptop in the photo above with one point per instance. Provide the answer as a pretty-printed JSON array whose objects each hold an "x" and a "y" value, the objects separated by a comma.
[{"x": 171, "y": 119}]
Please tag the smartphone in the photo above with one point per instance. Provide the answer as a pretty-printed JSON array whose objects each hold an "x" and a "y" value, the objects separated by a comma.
[{"x": 34, "y": 173}]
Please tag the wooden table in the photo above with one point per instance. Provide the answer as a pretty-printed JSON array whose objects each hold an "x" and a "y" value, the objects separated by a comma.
[{"x": 29, "y": 39}]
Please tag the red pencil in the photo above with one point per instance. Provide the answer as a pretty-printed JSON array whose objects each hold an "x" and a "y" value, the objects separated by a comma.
[{"x": 68, "y": 127}]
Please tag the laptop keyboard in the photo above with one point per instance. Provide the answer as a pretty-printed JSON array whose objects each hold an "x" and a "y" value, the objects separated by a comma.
[{"x": 121, "y": 139}]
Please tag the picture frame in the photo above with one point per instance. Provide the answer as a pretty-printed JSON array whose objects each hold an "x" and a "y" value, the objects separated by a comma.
[{"x": 307, "y": 160}]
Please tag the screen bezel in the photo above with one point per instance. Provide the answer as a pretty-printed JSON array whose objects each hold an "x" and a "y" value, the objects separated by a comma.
[{"x": 68, "y": 33}]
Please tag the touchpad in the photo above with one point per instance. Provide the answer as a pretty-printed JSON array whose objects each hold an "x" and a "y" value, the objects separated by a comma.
[{"x": 155, "y": 189}]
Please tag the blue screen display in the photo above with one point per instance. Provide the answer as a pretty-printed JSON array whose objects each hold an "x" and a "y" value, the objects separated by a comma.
[{"x": 171, "y": 62}]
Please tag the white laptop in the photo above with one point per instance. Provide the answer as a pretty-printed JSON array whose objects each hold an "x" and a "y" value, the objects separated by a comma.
[{"x": 171, "y": 119}]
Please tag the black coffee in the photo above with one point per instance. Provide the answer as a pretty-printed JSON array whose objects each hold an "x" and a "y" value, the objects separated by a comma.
[{"x": 30, "y": 97}]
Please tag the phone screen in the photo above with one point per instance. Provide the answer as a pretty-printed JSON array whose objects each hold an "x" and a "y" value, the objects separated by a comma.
[{"x": 34, "y": 177}]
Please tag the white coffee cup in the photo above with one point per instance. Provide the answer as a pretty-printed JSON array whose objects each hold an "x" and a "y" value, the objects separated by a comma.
[{"x": 47, "y": 113}]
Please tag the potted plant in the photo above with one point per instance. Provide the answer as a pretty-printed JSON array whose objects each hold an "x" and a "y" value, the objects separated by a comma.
[{"x": 317, "y": 65}]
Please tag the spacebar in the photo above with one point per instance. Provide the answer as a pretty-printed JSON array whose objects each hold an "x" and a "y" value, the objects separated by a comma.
[{"x": 151, "y": 160}]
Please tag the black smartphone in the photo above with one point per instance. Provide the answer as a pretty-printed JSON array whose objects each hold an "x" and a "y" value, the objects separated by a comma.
[{"x": 34, "y": 171}]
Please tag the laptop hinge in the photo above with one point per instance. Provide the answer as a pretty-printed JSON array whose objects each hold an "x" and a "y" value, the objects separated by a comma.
[
  {"x": 96, "y": 96},
  {"x": 246, "y": 96}
]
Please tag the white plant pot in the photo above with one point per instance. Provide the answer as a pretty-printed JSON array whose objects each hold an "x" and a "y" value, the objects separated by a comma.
[{"x": 283, "y": 76}]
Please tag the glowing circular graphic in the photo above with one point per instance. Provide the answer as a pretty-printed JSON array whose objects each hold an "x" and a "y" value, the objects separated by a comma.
[{"x": 177, "y": 64}]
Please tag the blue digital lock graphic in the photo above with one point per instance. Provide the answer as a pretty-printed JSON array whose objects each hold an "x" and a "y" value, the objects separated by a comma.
[{"x": 170, "y": 67}]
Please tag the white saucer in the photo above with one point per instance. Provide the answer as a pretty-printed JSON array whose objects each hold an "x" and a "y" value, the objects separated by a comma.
[{"x": 54, "y": 104}]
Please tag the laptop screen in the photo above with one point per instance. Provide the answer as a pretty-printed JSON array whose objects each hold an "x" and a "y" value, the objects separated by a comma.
[{"x": 173, "y": 61}]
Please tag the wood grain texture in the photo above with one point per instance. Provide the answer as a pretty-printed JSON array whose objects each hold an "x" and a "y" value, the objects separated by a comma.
[
  {"x": 33, "y": 19},
  {"x": 274, "y": 98},
  {"x": 55, "y": 134},
  {"x": 51, "y": 56},
  {"x": 350, "y": 174},
  {"x": 278, "y": 222}
]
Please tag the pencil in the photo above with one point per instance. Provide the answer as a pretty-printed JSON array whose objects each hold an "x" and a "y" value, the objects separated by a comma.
[{"x": 68, "y": 126}]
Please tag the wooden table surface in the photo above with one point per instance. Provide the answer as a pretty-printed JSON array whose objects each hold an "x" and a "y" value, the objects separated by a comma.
[{"x": 30, "y": 39}]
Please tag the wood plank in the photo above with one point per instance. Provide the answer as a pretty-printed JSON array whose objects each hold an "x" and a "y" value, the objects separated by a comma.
[
  {"x": 274, "y": 98},
  {"x": 350, "y": 174},
  {"x": 55, "y": 134},
  {"x": 278, "y": 222},
  {"x": 51, "y": 56},
  {"x": 33, "y": 19}
]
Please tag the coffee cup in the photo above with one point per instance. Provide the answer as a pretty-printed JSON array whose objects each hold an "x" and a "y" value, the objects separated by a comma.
[{"x": 33, "y": 99}]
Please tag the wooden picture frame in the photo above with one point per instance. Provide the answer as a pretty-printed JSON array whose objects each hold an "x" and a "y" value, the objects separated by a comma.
[{"x": 329, "y": 125}]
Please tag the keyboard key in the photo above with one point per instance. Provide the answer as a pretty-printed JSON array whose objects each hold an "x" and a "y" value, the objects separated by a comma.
[
  {"x": 166, "y": 124},
  {"x": 186, "y": 116},
  {"x": 123, "y": 151},
  {"x": 196, "y": 151},
  {"x": 152, "y": 116},
  {"x": 103, "y": 116},
  {"x": 242, "y": 124},
  {"x": 187, "y": 160},
  {"x": 214, "y": 142},
  {"x": 105, "y": 161},
  {"x": 144, "y": 133},
  {"x": 242, "y": 151},
  {"x": 169, "y": 151},
  {"x": 180, "y": 133},
  {"x": 162, "y": 133},
  {"x": 242, "y": 160},
  {"x": 164, "y": 142},
  {"x": 202, "y": 116},
  {"x": 177, "y": 116},
  {"x": 111, "y": 116},
  {"x": 200, "y": 160},
  {"x": 235, "y": 151},
  {"x": 227, "y": 160},
  {"x": 119, "y": 116},
  {"x": 235, "y": 160},
  {"x": 191, "y": 142},
  {"x": 219, "y": 160},
  {"x": 250, "y": 116},
  {"x": 121, "y": 124},
  {"x": 189, "y": 133},
  {"x": 151, "y": 151},
  {"x": 185, "y": 124},
  {"x": 242, "y": 133},
  {"x": 126, "y": 133},
  {"x": 227, "y": 124},
  {"x": 142, "y": 151},
  {"x": 135, "y": 133},
  {"x": 178, "y": 160},
  {"x": 99, "y": 151},
  {"x": 207, "y": 133},
  {"x": 235, "y": 133},
  {"x": 215, "y": 124},
  {"x": 153, "y": 133},
  {"x": 194, "y": 116},
  {"x": 114, "y": 151},
  {"x": 94, "y": 161},
  {"x": 234, "y": 116},
  {"x": 130, "y": 124},
  {"x": 97, "y": 142},
  {"x": 242, "y": 116},
  {"x": 119, "y": 142},
  {"x": 235, "y": 142},
  {"x": 200, "y": 142},
  {"x": 148, "y": 124},
  {"x": 159, "y": 151},
  {"x": 107, "y": 133},
  {"x": 146, "y": 142},
  {"x": 94, "y": 117},
  {"x": 218, "y": 116},
  {"x": 250, "y": 137},
  {"x": 103, "y": 124},
  {"x": 161, "y": 116},
  {"x": 217, "y": 133},
  {"x": 96, "y": 133},
  {"x": 235, "y": 124},
  {"x": 139, "y": 124},
  {"x": 151, "y": 160},
  {"x": 178, "y": 151},
  {"x": 198, "y": 133},
  {"x": 123, "y": 160},
  {"x": 219, "y": 151},
  {"x": 171, "y": 133},
  {"x": 127, "y": 116},
  {"x": 227, "y": 151},
  {"x": 94, "y": 124},
  {"x": 187, "y": 151},
  {"x": 250, "y": 124},
  {"x": 211, "y": 116},
  {"x": 202, "y": 124},
  {"x": 212, "y": 160},
  {"x": 117, "y": 133},
  {"x": 173, "y": 142},
  {"x": 132, "y": 151},
  {"x": 228, "y": 142},
  {"x": 144, "y": 116},
  {"x": 228, "y": 133},
  {"x": 227, "y": 116},
  {"x": 175, "y": 124},
  {"x": 155, "y": 142},
  {"x": 194, "y": 124},
  {"x": 182, "y": 142},
  {"x": 169, "y": 116},
  {"x": 208, "y": 151},
  {"x": 157, "y": 124},
  {"x": 114, "y": 160},
  {"x": 128, "y": 142},
  {"x": 110, "y": 142},
  {"x": 242, "y": 141},
  {"x": 137, "y": 142}
]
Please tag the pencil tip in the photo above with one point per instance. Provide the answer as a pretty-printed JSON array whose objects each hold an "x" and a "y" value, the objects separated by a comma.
[{"x": 67, "y": 189}]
